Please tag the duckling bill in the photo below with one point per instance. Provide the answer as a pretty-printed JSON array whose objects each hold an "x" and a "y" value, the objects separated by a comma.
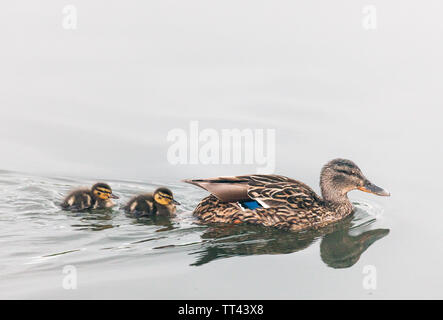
[
  {"x": 98, "y": 197},
  {"x": 161, "y": 202},
  {"x": 281, "y": 202}
]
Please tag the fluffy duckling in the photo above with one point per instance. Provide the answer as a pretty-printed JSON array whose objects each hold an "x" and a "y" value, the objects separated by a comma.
[
  {"x": 98, "y": 197},
  {"x": 161, "y": 203}
]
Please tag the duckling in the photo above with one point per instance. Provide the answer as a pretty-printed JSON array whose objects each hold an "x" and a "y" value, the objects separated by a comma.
[
  {"x": 98, "y": 197},
  {"x": 281, "y": 202},
  {"x": 161, "y": 203}
]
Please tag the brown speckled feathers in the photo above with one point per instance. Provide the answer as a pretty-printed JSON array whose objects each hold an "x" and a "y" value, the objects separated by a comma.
[{"x": 286, "y": 203}]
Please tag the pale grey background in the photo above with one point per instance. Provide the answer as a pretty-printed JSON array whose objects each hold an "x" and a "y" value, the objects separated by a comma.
[{"x": 98, "y": 102}]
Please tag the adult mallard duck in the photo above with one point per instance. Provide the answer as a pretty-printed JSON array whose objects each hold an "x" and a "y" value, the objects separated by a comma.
[
  {"x": 278, "y": 201},
  {"x": 161, "y": 203},
  {"x": 98, "y": 197}
]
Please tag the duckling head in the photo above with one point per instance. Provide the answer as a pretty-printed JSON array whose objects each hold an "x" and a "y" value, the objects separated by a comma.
[
  {"x": 339, "y": 176},
  {"x": 164, "y": 197},
  {"x": 102, "y": 191}
]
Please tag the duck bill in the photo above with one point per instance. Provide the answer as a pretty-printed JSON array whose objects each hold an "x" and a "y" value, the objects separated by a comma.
[
  {"x": 176, "y": 202},
  {"x": 113, "y": 196},
  {"x": 372, "y": 188}
]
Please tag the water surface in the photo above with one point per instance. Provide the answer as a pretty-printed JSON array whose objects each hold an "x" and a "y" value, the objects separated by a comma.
[{"x": 117, "y": 256}]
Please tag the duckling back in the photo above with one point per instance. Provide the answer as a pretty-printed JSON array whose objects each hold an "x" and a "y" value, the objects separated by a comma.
[
  {"x": 141, "y": 205},
  {"x": 77, "y": 200}
]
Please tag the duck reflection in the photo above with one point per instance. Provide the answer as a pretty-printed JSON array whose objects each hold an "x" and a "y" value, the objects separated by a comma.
[
  {"x": 338, "y": 248},
  {"x": 341, "y": 250}
]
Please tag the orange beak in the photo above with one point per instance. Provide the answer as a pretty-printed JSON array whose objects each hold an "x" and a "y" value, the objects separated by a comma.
[{"x": 372, "y": 188}]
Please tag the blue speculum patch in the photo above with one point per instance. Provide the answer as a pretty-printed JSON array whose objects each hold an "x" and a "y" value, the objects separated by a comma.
[{"x": 252, "y": 204}]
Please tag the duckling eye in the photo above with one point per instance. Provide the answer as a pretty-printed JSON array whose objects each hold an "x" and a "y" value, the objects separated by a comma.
[{"x": 163, "y": 199}]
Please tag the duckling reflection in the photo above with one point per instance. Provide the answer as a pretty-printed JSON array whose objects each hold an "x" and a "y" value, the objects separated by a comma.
[
  {"x": 338, "y": 249},
  {"x": 154, "y": 220},
  {"x": 102, "y": 219}
]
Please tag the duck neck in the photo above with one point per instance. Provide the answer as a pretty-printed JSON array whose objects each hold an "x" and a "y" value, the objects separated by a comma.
[
  {"x": 160, "y": 210},
  {"x": 101, "y": 202},
  {"x": 95, "y": 199},
  {"x": 335, "y": 199}
]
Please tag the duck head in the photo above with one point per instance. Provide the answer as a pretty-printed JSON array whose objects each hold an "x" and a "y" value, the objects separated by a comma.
[
  {"x": 339, "y": 176},
  {"x": 102, "y": 191},
  {"x": 165, "y": 201}
]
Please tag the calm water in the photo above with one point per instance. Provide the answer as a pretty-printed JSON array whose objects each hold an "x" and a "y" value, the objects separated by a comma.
[
  {"x": 97, "y": 103},
  {"x": 146, "y": 258},
  {"x": 121, "y": 257}
]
